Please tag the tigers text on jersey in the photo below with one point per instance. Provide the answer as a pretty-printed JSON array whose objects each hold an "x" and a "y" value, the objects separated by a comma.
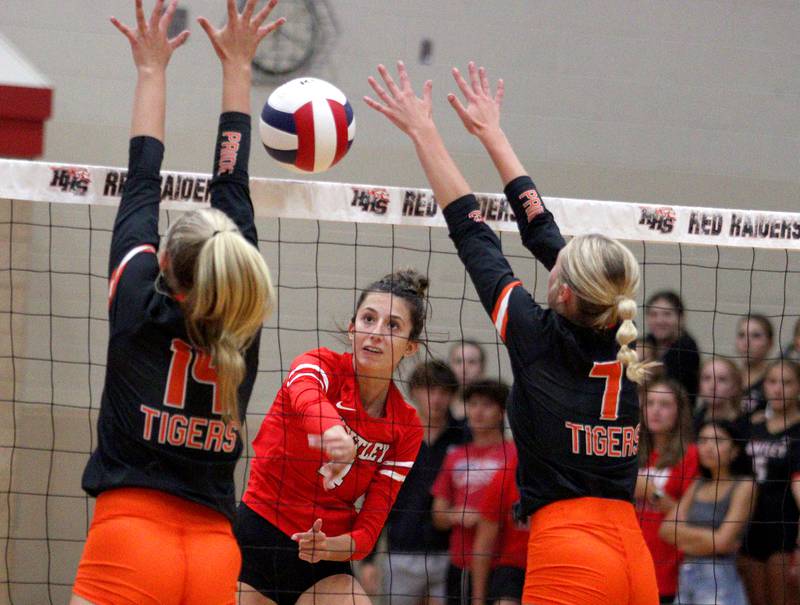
[
  {"x": 160, "y": 424},
  {"x": 573, "y": 413},
  {"x": 286, "y": 484}
]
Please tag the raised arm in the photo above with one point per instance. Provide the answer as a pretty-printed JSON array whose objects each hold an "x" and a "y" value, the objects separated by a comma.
[
  {"x": 414, "y": 116},
  {"x": 137, "y": 216},
  {"x": 478, "y": 246},
  {"x": 151, "y": 51},
  {"x": 235, "y": 45},
  {"x": 481, "y": 117}
]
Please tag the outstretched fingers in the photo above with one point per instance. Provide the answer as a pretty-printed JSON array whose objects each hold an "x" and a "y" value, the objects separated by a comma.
[
  {"x": 156, "y": 15},
  {"x": 262, "y": 15},
  {"x": 427, "y": 92},
  {"x": 462, "y": 83},
  {"x": 247, "y": 13},
  {"x": 178, "y": 40},
  {"x": 166, "y": 16},
  {"x": 474, "y": 78},
  {"x": 484, "y": 78},
  {"x": 379, "y": 90},
  {"x": 263, "y": 32},
  {"x": 141, "y": 23},
  {"x": 456, "y": 104},
  {"x": 500, "y": 92},
  {"x": 211, "y": 32},
  {"x": 387, "y": 78},
  {"x": 124, "y": 29},
  {"x": 233, "y": 14}
]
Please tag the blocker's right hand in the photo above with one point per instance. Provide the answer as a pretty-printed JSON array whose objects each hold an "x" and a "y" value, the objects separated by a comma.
[
  {"x": 237, "y": 41},
  {"x": 481, "y": 116},
  {"x": 151, "y": 47}
]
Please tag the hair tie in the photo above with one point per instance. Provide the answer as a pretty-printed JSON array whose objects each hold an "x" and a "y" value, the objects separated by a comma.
[{"x": 217, "y": 232}]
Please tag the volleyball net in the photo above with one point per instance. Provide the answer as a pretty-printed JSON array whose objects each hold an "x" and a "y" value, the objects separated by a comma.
[{"x": 323, "y": 243}]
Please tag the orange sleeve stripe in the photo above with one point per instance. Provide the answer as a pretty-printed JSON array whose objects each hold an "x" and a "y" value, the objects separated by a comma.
[
  {"x": 117, "y": 273},
  {"x": 500, "y": 311}
]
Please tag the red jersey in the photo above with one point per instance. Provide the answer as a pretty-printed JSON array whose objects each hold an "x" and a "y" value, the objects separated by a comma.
[
  {"x": 463, "y": 480},
  {"x": 673, "y": 481},
  {"x": 286, "y": 486},
  {"x": 511, "y": 549}
]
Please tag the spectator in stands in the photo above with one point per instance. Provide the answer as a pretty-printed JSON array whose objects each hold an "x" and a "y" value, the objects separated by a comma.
[
  {"x": 467, "y": 359},
  {"x": 465, "y": 476},
  {"x": 415, "y": 569},
  {"x": 792, "y": 350},
  {"x": 770, "y": 545},
  {"x": 708, "y": 524},
  {"x": 720, "y": 393},
  {"x": 754, "y": 340},
  {"x": 500, "y": 548},
  {"x": 671, "y": 344},
  {"x": 667, "y": 467}
]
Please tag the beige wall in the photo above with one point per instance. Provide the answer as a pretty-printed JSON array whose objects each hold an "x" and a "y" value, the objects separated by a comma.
[
  {"x": 691, "y": 102},
  {"x": 688, "y": 101}
]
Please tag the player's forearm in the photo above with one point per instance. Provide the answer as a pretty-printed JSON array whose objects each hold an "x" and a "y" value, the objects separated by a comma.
[
  {"x": 445, "y": 178},
  {"x": 149, "y": 103},
  {"x": 340, "y": 548},
  {"x": 503, "y": 155},
  {"x": 236, "y": 85}
]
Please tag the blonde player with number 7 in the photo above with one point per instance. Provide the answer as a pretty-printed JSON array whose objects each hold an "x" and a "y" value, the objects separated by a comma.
[{"x": 573, "y": 410}]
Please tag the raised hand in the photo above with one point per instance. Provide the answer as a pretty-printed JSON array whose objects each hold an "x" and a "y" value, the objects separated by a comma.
[
  {"x": 481, "y": 116},
  {"x": 409, "y": 113},
  {"x": 237, "y": 41},
  {"x": 150, "y": 45}
]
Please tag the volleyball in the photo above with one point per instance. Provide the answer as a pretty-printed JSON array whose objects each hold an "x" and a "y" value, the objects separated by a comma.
[{"x": 307, "y": 125}]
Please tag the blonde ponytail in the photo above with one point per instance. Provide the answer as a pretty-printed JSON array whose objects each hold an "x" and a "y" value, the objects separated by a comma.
[
  {"x": 604, "y": 275},
  {"x": 626, "y": 334},
  {"x": 227, "y": 298}
]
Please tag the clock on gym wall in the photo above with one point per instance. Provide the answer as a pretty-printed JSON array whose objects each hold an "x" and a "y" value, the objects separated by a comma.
[{"x": 293, "y": 45}]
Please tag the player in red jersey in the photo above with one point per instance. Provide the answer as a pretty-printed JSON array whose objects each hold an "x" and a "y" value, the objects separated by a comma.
[
  {"x": 168, "y": 437},
  {"x": 339, "y": 429},
  {"x": 573, "y": 409}
]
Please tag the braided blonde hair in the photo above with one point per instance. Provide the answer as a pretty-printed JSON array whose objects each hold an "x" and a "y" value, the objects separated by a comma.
[
  {"x": 604, "y": 275},
  {"x": 228, "y": 293}
]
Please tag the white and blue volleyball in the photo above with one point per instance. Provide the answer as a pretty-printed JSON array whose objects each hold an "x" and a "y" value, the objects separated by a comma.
[{"x": 307, "y": 125}]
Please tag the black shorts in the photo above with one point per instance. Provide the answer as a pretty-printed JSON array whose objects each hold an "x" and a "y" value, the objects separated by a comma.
[
  {"x": 764, "y": 539},
  {"x": 270, "y": 563},
  {"x": 506, "y": 583},
  {"x": 459, "y": 584}
]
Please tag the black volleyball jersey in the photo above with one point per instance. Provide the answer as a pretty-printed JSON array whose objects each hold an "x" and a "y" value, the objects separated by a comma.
[
  {"x": 776, "y": 464},
  {"x": 573, "y": 413},
  {"x": 160, "y": 424}
]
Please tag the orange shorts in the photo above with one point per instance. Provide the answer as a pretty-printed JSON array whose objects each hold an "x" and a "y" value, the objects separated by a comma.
[
  {"x": 147, "y": 547},
  {"x": 589, "y": 551}
]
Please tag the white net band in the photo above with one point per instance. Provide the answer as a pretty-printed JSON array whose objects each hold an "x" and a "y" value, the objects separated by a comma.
[{"x": 279, "y": 198}]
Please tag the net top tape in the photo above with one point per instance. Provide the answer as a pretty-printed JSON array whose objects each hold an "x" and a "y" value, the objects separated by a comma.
[{"x": 279, "y": 198}]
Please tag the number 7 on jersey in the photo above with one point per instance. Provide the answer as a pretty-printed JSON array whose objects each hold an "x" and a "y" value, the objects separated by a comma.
[{"x": 611, "y": 371}]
